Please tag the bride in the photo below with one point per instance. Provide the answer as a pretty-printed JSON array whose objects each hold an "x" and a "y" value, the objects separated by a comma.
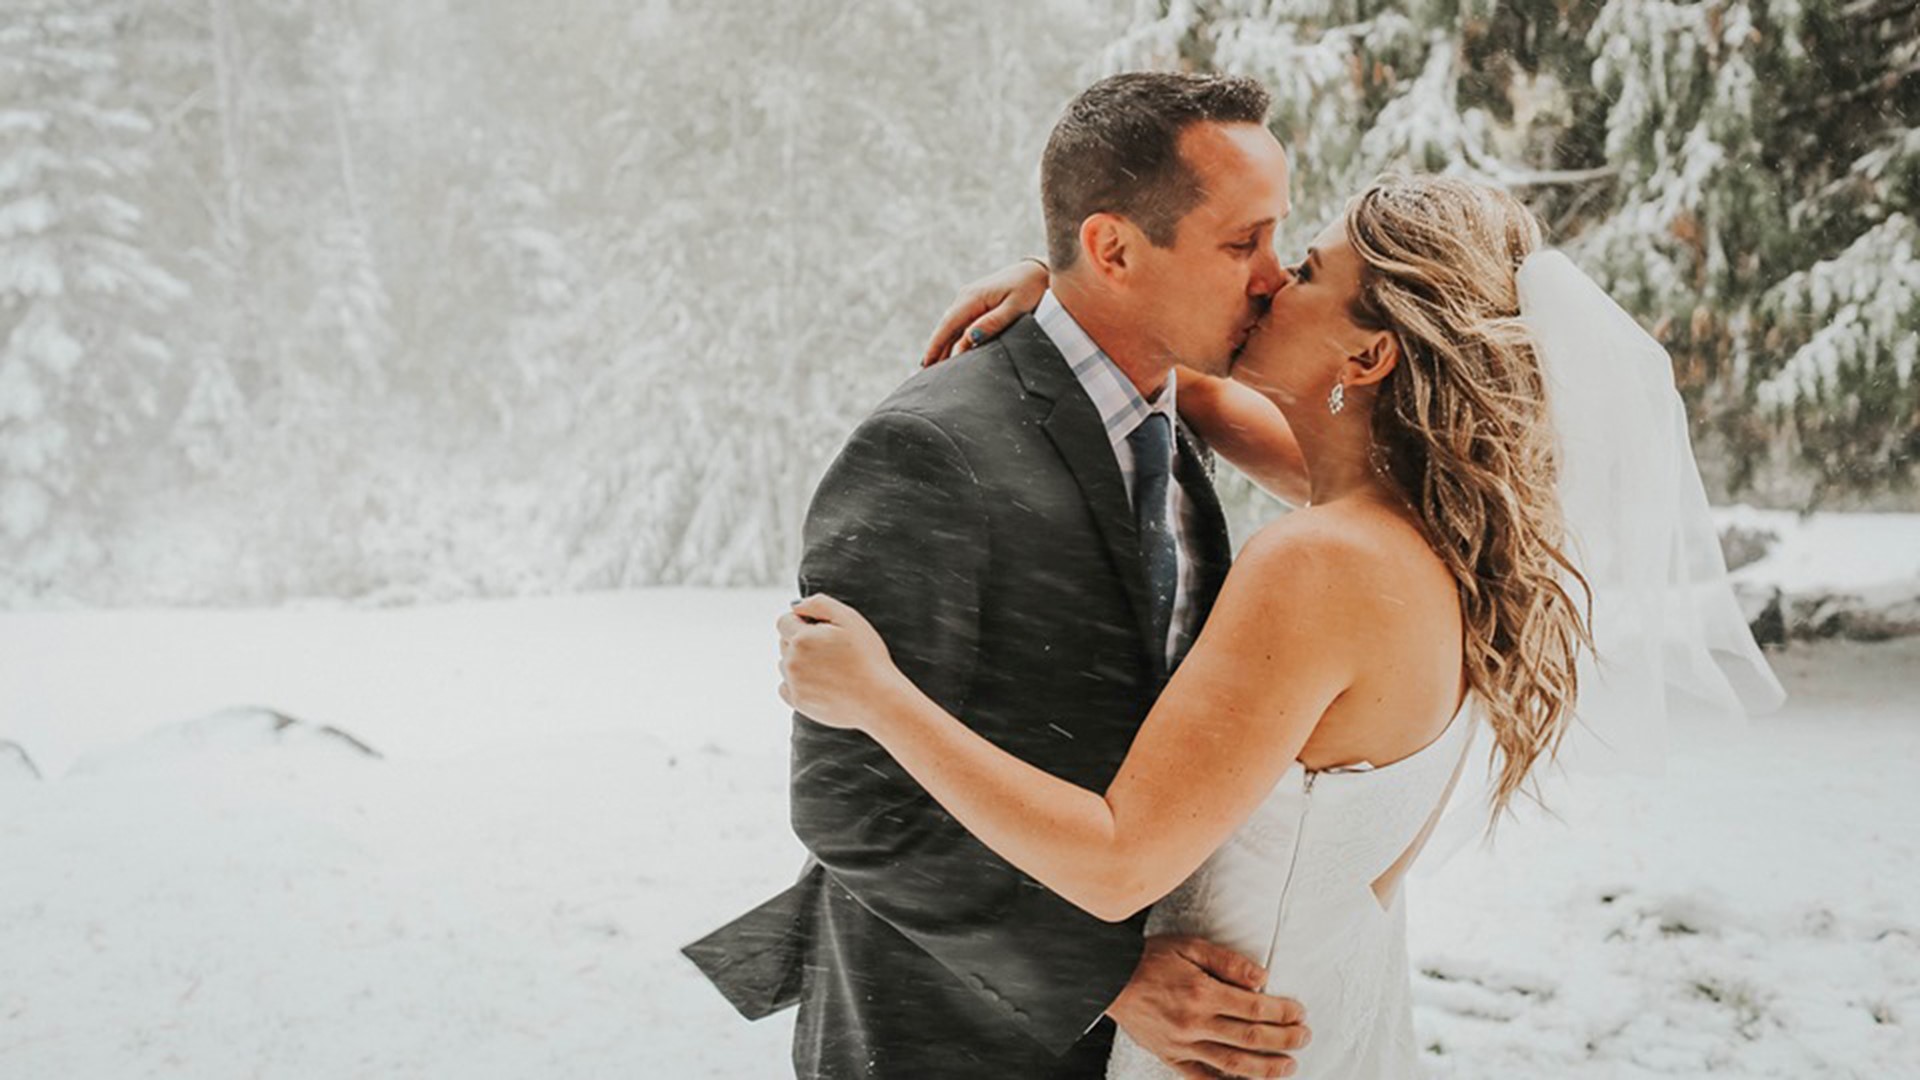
[{"x": 1501, "y": 529}]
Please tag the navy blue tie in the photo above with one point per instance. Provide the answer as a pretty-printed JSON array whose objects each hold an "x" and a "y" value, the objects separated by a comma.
[{"x": 1152, "y": 444}]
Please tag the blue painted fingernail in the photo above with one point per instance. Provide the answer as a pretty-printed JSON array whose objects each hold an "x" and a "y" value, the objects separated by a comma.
[{"x": 976, "y": 335}]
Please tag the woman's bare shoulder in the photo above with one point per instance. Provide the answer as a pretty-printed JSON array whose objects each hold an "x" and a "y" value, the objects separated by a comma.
[
  {"x": 1332, "y": 538},
  {"x": 1363, "y": 554}
]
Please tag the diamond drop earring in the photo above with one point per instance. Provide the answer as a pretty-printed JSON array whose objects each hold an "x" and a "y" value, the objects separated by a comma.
[{"x": 1338, "y": 399}]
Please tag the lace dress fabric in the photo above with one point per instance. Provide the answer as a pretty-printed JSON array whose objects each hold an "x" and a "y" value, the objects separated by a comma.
[{"x": 1293, "y": 889}]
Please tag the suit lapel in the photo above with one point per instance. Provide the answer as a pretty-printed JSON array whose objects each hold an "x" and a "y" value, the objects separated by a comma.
[{"x": 1075, "y": 427}]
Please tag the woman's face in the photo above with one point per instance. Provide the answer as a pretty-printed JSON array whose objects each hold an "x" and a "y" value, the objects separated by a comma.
[{"x": 1296, "y": 353}]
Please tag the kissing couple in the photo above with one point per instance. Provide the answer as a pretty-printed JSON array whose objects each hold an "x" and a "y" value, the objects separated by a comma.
[{"x": 1087, "y": 794}]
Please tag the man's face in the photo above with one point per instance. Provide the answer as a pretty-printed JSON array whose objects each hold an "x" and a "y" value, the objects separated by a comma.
[{"x": 1202, "y": 296}]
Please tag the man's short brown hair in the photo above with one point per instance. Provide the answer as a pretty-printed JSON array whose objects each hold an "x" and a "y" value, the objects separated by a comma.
[{"x": 1116, "y": 151}]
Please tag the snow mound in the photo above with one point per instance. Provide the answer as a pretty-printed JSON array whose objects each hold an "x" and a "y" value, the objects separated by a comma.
[
  {"x": 241, "y": 731},
  {"x": 1824, "y": 551},
  {"x": 15, "y": 765}
]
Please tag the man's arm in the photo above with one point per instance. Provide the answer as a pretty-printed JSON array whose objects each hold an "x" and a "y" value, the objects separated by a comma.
[{"x": 898, "y": 528}]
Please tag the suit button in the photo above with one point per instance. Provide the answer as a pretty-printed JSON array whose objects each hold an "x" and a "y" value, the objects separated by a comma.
[
  {"x": 978, "y": 982},
  {"x": 1019, "y": 1016}
]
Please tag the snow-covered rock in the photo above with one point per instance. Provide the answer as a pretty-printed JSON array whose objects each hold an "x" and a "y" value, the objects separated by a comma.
[
  {"x": 1874, "y": 614},
  {"x": 243, "y": 730},
  {"x": 15, "y": 765},
  {"x": 1852, "y": 576}
]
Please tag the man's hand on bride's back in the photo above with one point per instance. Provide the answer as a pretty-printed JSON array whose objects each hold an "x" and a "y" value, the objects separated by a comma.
[
  {"x": 985, "y": 308},
  {"x": 1198, "y": 1007}
]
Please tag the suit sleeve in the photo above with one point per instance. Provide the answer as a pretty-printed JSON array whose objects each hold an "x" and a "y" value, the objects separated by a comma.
[{"x": 898, "y": 529}]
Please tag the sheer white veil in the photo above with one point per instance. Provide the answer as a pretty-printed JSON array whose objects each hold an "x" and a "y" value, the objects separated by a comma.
[{"x": 1671, "y": 644}]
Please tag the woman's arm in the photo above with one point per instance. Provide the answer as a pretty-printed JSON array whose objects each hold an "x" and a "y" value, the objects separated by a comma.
[
  {"x": 1248, "y": 430},
  {"x": 1228, "y": 725}
]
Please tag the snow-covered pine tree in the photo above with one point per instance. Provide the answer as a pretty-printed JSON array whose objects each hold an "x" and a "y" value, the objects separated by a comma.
[
  {"x": 1740, "y": 173},
  {"x": 347, "y": 322},
  {"x": 175, "y": 60},
  {"x": 81, "y": 364},
  {"x": 1836, "y": 342},
  {"x": 796, "y": 215}
]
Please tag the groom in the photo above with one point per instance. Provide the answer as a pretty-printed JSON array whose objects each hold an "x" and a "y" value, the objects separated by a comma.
[{"x": 1037, "y": 538}]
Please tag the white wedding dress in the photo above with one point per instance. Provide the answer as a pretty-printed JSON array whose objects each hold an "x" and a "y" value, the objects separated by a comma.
[{"x": 1294, "y": 888}]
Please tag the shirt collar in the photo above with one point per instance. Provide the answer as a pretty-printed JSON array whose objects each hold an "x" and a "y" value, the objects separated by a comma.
[{"x": 1114, "y": 396}]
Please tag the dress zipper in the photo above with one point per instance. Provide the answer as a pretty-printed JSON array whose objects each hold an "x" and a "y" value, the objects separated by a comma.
[{"x": 1293, "y": 863}]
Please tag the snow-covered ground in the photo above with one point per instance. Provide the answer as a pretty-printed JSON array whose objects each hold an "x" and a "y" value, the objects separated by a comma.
[
  {"x": 1755, "y": 912},
  {"x": 569, "y": 789}
]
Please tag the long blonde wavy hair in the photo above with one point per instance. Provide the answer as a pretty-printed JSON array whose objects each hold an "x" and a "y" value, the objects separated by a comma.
[{"x": 1462, "y": 428}]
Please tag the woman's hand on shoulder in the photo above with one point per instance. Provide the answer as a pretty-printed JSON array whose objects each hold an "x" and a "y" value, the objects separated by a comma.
[{"x": 986, "y": 307}]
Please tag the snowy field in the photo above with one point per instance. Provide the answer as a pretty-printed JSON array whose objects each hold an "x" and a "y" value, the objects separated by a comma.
[{"x": 569, "y": 789}]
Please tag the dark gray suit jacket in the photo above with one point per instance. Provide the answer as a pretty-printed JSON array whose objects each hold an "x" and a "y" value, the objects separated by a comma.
[{"x": 979, "y": 520}]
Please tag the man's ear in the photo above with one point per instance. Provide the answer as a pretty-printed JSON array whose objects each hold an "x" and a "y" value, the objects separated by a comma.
[
  {"x": 1106, "y": 245},
  {"x": 1376, "y": 361}
]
